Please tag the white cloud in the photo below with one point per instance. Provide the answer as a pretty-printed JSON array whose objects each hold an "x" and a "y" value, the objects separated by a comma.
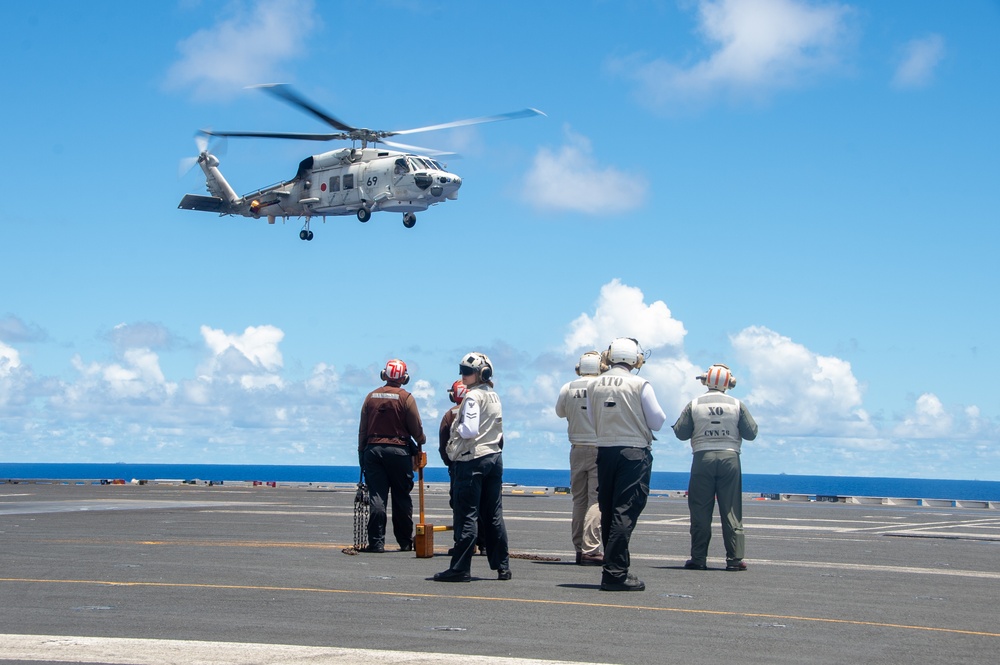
[
  {"x": 240, "y": 405},
  {"x": 756, "y": 47},
  {"x": 621, "y": 311},
  {"x": 10, "y": 363},
  {"x": 798, "y": 392},
  {"x": 920, "y": 58},
  {"x": 243, "y": 48},
  {"x": 10, "y": 360},
  {"x": 254, "y": 350},
  {"x": 137, "y": 377},
  {"x": 928, "y": 420},
  {"x": 570, "y": 179}
]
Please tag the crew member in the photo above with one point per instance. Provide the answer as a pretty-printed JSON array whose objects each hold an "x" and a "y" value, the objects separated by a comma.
[
  {"x": 716, "y": 424},
  {"x": 477, "y": 477},
  {"x": 389, "y": 442},
  {"x": 626, "y": 414},
  {"x": 445, "y": 433},
  {"x": 585, "y": 526},
  {"x": 448, "y": 423}
]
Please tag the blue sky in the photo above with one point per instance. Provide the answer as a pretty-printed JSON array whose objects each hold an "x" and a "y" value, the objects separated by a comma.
[{"x": 806, "y": 191}]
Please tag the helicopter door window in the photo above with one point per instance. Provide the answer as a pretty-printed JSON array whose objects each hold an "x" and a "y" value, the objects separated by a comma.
[
  {"x": 349, "y": 181},
  {"x": 401, "y": 167},
  {"x": 335, "y": 183}
]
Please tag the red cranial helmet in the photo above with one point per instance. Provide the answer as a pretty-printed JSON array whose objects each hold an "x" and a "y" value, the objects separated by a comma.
[
  {"x": 457, "y": 392},
  {"x": 395, "y": 370}
]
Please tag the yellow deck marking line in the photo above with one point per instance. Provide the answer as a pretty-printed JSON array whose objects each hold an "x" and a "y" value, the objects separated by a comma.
[
  {"x": 564, "y": 603},
  {"x": 823, "y": 565}
]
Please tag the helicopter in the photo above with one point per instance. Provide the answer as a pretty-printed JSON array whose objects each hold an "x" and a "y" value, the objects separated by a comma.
[{"x": 359, "y": 180}]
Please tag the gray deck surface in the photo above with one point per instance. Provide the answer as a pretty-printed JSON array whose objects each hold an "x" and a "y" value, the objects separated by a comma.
[{"x": 827, "y": 583}]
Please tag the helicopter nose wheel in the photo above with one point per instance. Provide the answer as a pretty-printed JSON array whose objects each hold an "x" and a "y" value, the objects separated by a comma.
[
  {"x": 409, "y": 219},
  {"x": 364, "y": 214}
]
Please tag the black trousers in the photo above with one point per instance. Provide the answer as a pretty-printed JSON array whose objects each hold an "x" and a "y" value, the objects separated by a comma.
[
  {"x": 477, "y": 487},
  {"x": 622, "y": 490},
  {"x": 389, "y": 469}
]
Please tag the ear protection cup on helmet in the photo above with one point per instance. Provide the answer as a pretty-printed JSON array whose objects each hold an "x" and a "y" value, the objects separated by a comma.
[
  {"x": 486, "y": 372},
  {"x": 640, "y": 357},
  {"x": 395, "y": 370}
]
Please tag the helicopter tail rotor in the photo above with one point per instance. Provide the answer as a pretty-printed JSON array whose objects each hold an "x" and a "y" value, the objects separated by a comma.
[{"x": 205, "y": 150}]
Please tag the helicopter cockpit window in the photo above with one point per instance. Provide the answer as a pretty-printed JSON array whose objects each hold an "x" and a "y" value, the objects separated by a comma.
[
  {"x": 401, "y": 167},
  {"x": 437, "y": 165}
]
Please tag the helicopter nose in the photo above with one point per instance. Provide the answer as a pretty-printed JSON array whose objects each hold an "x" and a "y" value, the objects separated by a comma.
[{"x": 446, "y": 184}]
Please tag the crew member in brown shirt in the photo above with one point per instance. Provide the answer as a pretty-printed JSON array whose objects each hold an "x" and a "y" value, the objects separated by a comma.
[{"x": 390, "y": 438}]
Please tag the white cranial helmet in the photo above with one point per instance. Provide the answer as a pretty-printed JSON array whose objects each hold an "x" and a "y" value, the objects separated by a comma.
[
  {"x": 478, "y": 364},
  {"x": 624, "y": 350},
  {"x": 718, "y": 377},
  {"x": 589, "y": 365}
]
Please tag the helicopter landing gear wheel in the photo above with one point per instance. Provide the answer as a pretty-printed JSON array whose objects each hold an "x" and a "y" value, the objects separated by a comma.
[
  {"x": 409, "y": 219},
  {"x": 305, "y": 233},
  {"x": 364, "y": 214}
]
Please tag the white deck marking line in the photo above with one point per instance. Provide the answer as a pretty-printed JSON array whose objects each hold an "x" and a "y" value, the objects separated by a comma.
[{"x": 132, "y": 651}]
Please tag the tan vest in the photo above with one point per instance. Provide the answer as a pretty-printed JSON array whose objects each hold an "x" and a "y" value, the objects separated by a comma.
[
  {"x": 716, "y": 419},
  {"x": 616, "y": 403},
  {"x": 490, "y": 426},
  {"x": 579, "y": 427}
]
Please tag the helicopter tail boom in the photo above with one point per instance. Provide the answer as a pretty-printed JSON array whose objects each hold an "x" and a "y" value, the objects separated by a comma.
[{"x": 214, "y": 180}]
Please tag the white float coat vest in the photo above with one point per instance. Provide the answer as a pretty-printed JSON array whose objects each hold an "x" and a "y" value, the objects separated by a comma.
[
  {"x": 716, "y": 419},
  {"x": 616, "y": 407},
  {"x": 573, "y": 406},
  {"x": 487, "y": 402}
]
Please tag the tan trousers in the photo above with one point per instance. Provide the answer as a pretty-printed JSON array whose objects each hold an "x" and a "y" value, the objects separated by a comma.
[{"x": 586, "y": 522}]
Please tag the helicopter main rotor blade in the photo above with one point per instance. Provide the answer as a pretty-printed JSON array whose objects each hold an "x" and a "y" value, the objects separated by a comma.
[
  {"x": 285, "y": 92},
  {"x": 279, "y": 135},
  {"x": 514, "y": 115},
  {"x": 431, "y": 152}
]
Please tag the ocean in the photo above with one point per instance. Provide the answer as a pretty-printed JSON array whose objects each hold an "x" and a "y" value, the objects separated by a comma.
[{"x": 764, "y": 484}]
